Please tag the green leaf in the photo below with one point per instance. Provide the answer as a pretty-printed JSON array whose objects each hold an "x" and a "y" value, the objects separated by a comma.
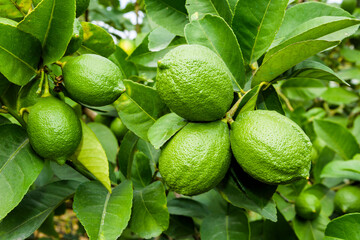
[
  {"x": 342, "y": 169},
  {"x": 325, "y": 156},
  {"x": 92, "y": 156},
  {"x": 150, "y": 216},
  {"x": 180, "y": 227},
  {"x": 21, "y": 52},
  {"x": 301, "y": 13},
  {"x": 242, "y": 191},
  {"x": 317, "y": 28},
  {"x": 345, "y": 227},
  {"x": 233, "y": 225},
  {"x": 164, "y": 128},
  {"x": 19, "y": 166},
  {"x": 8, "y": 9},
  {"x": 103, "y": 215},
  {"x": 286, "y": 209},
  {"x": 119, "y": 58},
  {"x": 126, "y": 153},
  {"x": 213, "y": 32},
  {"x": 356, "y": 128},
  {"x": 288, "y": 57},
  {"x": 219, "y": 8},
  {"x": 350, "y": 73},
  {"x": 34, "y": 209},
  {"x": 139, "y": 107},
  {"x": 4, "y": 84},
  {"x": 149, "y": 150},
  {"x": 351, "y": 55},
  {"x": 171, "y": 15},
  {"x": 96, "y": 40},
  {"x": 159, "y": 38},
  {"x": 248, "y": 101},
  {"x": 52, "y": 23},
  {"x": 337, "y": 137},
  {"x": 141, "y": 174},
  {"x": 339, "y": 96},
  {"x": 269, "y": 100},
  {"x": 65, "y": 172},
  {"x": 310, "y": 230},
  {"x": 4, "y": 120},
  {"x": 187, "y": 207},
  {"x": 107, "y": 140},
  {"x": 303, "y": 89},
  {"x": 255, "y": 25}
]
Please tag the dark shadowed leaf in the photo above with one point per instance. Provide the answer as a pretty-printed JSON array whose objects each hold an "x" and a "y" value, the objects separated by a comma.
[
  {"x": 126, "y": 153},
  {"x": 187, "y": 207},
  {"x": 141, "y": 174}
]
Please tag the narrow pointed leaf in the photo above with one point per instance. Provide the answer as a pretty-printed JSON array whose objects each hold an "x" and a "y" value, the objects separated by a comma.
[
  {"x": 219, "y": 8},
  {"x": 255, "y": 25},
  {"x": 92, "y": 156},
  {"x": 337, "y": 137},
  {"x": 34, "y": 209},
  {"x": 19, "y": 166},
  {"x": 269, "y": 100},
  {"x": 288, "y": 57},
  {"x": 103, "y": 215},
  {"x": 21, "y": 52},
  {"x": 52, "y": 23},
  {"x": 139, "y": 107},
  {"x": 171, "y": 15},
  {"x": 164, "y": 128},
  {"x": 213, "y": 32},
  {"x": 150, "y": 216},
  {"x": 233, "y": 225}
]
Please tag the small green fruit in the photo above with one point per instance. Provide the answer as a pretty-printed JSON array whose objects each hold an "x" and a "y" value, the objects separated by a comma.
[
  {"x": 118, "y": 128},
  {"x": 195, "y": 83},
  {"x": 270, "y": 147},
  {"x": 93, "y": 80},
  {"x": 347, "y": 199},
  {"x": 54, "y": 129},
  {"x": 349, "y": 5},
  {"x": 197, "y": 158},
  {"x": 307, "y": 206}
]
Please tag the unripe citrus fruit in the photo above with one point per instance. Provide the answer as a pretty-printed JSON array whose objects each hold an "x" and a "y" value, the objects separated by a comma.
[
  {"x": 106, "y": 120},
  {"x": 76, "y": 38},
  {"x": 81, "y": 6},
  {"x": 195, "y": 83},
  {"x": 118, "y": 128},
  {"x": 348, "y": 5},
  {"x": 347, "y": 199},
  {"x": 196, "y": 158},
  {"x": 307, "y": 206},
  {"x": 270, "y": 147},
  {"x": 54, "y": 129},
  {"x": 93, "y": 80}
]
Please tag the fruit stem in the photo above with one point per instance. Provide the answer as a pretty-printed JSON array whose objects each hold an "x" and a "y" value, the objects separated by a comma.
[
  {"x": 41, "y": 82},
  {"x": 286, "y": 100},
  {"x": 61, "y": 64},
  {"x": 46, "y": 90},
  {"x": 285, "y": 198}
]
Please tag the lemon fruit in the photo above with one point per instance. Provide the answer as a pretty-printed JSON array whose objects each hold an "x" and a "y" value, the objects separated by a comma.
[
  {"x": 93, "y": 80},
  {"x": 54, "y": 129},
  {"x": 195, "y": 83},
  {"x": 347, "y": 199},
  {"x": 270, "y": 147},
  {"x": 196, "y": 159},
  {"x": 81, "y": 6},
  {"x": 118, "y": 128},
  {"x": 307, "y": 206},
  {"x": 349, "y": 5},
  {"x": 76, "y": 38},
  {"x": 106, "y": 120}
]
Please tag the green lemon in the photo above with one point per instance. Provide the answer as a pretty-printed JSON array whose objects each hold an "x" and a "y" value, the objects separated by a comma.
[
  {"x": 76, "y": 38},
  {"x": 118, "y": 128},
  {"x": 347, "y": 199},
  {"x": 195, "y": 83},
  {"x": 54, "y": 129},
  {"x": 93, "y": 80},
  {"x": 270, "y": 147},
  {"x": 307, "y": 206},
  {"x": 348, "y": 5},
  {"x": 106, "y": 120},
  {"x": 81, "y": 6},
  {"x": 196, "y": 158}
]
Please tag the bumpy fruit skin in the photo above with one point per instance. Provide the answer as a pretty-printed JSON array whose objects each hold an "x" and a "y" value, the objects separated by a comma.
[
  {"x": 196, "y": 158},
  {"x": 195, "y": 83},
  {"x": 270, "y": 147},
  {"x": 76, "y": 38},
  {"x": 54, "y": 129},
  {"x": 307, "y": 206},
  {"x": 81, "y": 6},
  {"x": 347, "y": 199},
  {"x": 93, "y": 80}
]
